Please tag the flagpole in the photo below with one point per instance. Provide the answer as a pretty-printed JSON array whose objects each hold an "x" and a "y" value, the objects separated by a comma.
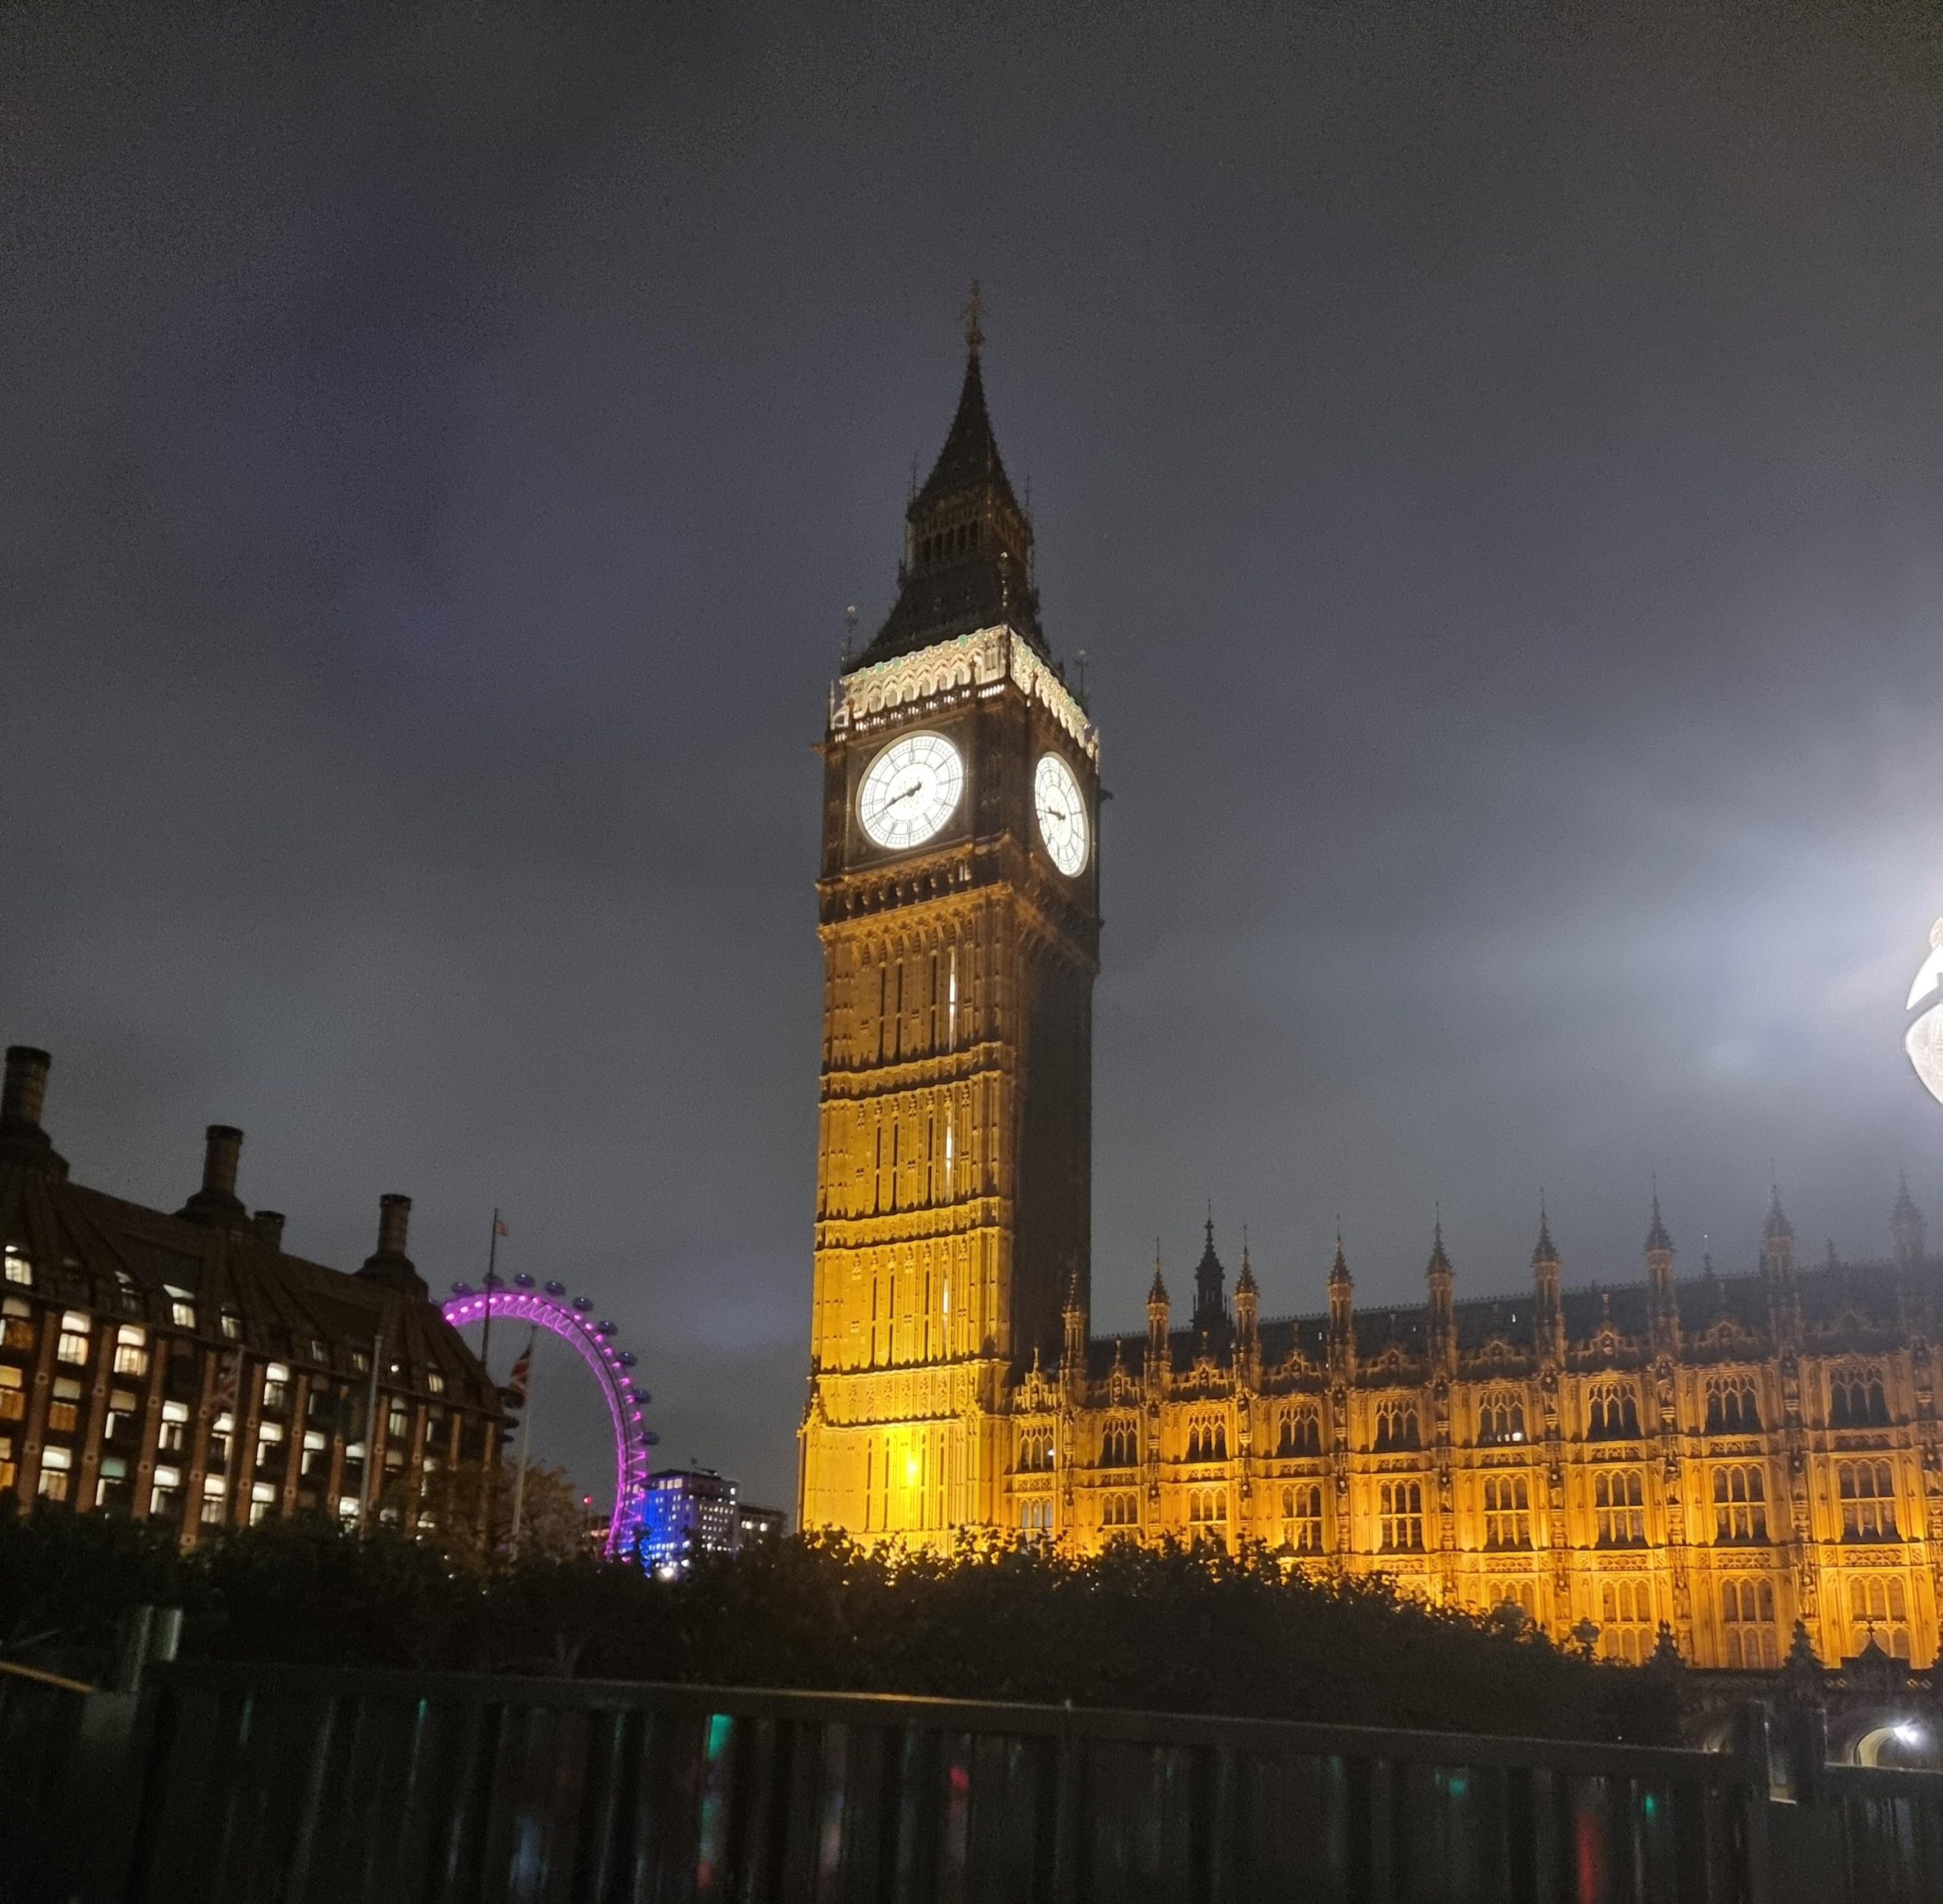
[
  {"x": 525, "y": 1442},
  {"x": 492, "y": 1260},
  {"x": 489, "y": 1457}
]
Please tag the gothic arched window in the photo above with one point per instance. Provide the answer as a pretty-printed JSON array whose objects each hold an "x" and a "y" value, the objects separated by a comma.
[
  {"x": 1732, "y": 1406},
  {"x": 1400, "y": 1517},
  {"x": 1396, "y": 1426},
  {"x": 1500, "y": 1419},
  {"x": 1869, "y": 1500},
  {"x": 1507, "y": 1510},
  {"x": 1612, "y": 1413},
  {"x": 1619, "y": 1501},
  {"x": 1740, "y": 1496}
]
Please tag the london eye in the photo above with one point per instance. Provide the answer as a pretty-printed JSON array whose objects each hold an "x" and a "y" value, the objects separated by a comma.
[{"x": 572, "y": 1319}]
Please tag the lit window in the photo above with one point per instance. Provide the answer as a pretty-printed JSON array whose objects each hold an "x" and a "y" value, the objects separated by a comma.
[
  {"x": 56, "y": 1464},
  {"x": 181, "y": 1306},
  {"x": 1626, "y": 1625},
  {"x": 316, "y": 1454},
  {"x": 9, "y": 1473},
  {"x": 16, "y": 1323},
  {"x": 130, "y": 1296},
  {"x": 1208, "y": 1505},
  {"x": 360, "y": 1361},
  {"x": 231, "y": 1325},
  {"x": 166, "y": 1497},
  {"x": 1881, "y": 1610},
  {"x": 1507, "y": 1510},
  {"x": 110, "y": 1487},
  {"x": 13, "y": 1393},
  {"x": 1400, "y": 1517},
  {"x": 1302, "y": 1513},
  {"x": 263, "y": 1498},
  {"x": 1500, "y": 1420},
  {"x": 64, "y": 1412},
  {"x": 1869, "y": 1500},
  {"x": 174, "y": 1436},
  {"x": 131, "y": 1353},
  {"x": 73, "y": 1346},
  {"x": 1619, "y": 1500},
  {"x": 214, "y": 1499},
  {"x": 347, "y": 1507},
  {"x": 19, "y": 1269},
  {"x": 435, "y": 1382},
  {"x": 276, "y": 1385},
  {"x": 269, "y": 1444},
  {"x": 1739, "y": 1511},
  {"x": 1747, "y": 1619}
]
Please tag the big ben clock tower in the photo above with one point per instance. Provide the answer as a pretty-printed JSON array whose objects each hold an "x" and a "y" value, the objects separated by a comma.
[{"x": 959, "y": 905}]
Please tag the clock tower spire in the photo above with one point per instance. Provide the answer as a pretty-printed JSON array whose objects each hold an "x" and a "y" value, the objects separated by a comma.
[{"x": 958, "y": 909}]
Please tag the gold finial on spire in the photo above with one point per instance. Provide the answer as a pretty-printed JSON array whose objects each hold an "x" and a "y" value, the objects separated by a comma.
[{"x": 973, "y": 311}]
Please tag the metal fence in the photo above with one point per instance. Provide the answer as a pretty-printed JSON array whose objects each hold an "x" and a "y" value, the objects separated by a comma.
[{"x": 243, "y": 1784}]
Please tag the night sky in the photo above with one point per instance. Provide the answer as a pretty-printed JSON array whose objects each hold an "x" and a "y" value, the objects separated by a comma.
[{"x": 1491, "y": 457}]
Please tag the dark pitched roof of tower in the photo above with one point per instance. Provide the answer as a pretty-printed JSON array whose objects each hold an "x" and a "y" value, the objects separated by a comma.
[
  {"x": 1339, "y": 1270},
  {"x": 968, "y": 557},
  {"x": 1245, "y": 1280},
  {"x": 970, "y": 457},
  {"x": 1905, "y": 1211},
  {"x": 1544, "y": 1251},
  {"x": 1438, "y": 1260},
  {"x": 1657, "y": 1238},
  {"x": 1777, "y": 1225},
  {"x": 1157, "y": 1289}
]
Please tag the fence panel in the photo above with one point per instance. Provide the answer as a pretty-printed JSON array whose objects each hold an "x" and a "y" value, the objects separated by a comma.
[{"x": 293, "y": 1786}]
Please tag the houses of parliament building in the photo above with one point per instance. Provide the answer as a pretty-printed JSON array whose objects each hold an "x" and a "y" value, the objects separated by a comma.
[{"x": 1723, "y": 1455}]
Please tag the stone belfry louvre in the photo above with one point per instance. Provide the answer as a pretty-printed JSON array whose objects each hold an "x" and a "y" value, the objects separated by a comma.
[{"x": 959, "y": 910}]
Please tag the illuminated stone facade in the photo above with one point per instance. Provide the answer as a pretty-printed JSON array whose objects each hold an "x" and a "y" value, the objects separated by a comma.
[
  {"x": 1725, "y": 1455},
  {"x": 953, "y": 1165},
  {"x": 1721, "y": 1456}
]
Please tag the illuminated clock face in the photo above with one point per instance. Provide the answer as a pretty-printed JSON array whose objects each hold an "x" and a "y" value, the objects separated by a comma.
[
  {"x": 1924, "y": 1042},
  {"x": 1061, "y": 811},
  {"x": 911, "y": 791}
]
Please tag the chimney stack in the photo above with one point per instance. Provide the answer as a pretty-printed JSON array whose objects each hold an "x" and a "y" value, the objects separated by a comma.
[
  {"x": 216, "y": 1203},
  {"x": 25, "y": 1089},
  {"x": 222, "y": 1149},
  {"x": 269, "y": 1225},
  {"x": 22, "y": 1140},
  {"x": 389, "y": 1263}
]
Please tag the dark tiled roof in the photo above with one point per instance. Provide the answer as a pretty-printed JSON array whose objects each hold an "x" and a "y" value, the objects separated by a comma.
[
  {"x": 82, "y": 1242},
  {"x": 1836, "y": 1297}
]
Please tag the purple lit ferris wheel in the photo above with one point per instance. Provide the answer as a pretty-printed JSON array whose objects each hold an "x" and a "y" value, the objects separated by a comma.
[{"x": 571, "y": 1320}]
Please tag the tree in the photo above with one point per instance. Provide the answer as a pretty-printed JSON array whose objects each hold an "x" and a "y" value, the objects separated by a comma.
[{"x": 464, "y": 1513}]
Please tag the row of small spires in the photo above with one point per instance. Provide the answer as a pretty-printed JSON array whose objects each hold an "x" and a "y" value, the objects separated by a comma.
[
  {"x": 1906, "y": 1228},
  {"x": 22, "y": 1140}
]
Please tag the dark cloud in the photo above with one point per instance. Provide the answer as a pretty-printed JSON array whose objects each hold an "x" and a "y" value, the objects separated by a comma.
[{"x": 1490, "y": 457}]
